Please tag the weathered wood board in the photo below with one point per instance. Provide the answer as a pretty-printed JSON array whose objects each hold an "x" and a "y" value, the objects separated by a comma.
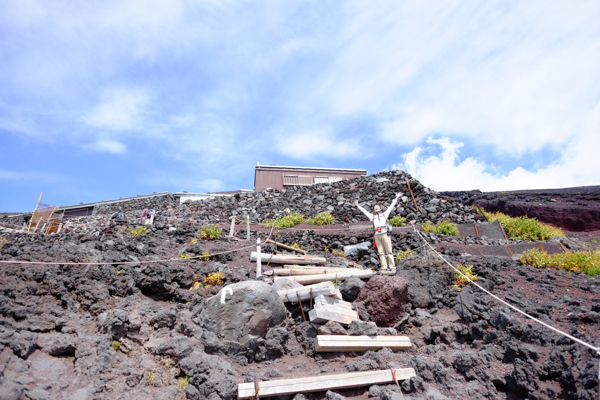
[
  {"x": 291, "y": 295},
  {"x": 337, "y": 276},
  {"x": 287, "y": 258},
  {"x": 327, "y": 343},
  {"x": 323, "y": 383},
  {"x": 339, "y": 315}
]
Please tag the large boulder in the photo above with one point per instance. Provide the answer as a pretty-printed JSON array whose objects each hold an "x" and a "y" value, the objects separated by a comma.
[
  {"x": 428, "y": 277},
  {"x": 385, "y": 298},
  {"x": 248, "y": 309}
]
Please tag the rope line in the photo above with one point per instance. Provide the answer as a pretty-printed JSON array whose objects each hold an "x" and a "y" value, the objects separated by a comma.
[
  {"x": 133, "y": 262},
  {"x": 596, "y": 349}
]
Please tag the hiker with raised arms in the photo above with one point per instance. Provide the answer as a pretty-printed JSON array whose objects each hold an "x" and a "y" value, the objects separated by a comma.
[{"x": 381, "y": 240}]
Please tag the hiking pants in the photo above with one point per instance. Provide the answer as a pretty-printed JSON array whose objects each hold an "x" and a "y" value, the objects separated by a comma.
[{"x": 384, "y": 249}]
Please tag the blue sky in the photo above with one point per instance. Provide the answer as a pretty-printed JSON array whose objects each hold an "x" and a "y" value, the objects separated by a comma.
[{"x": 108, "y": 99}]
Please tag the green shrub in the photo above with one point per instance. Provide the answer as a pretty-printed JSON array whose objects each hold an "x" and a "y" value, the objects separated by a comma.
[
  {"x": 442, "y": 228},
  {"x": 182, "y": 383},
  {"x": 285, "y": 222},
  {"x": 401, "y": 255},
  {"x": 587, "y": 262},
  {"x": 116, "y": 345},
  {"x": 523, "y": 228},
  {"x": 397, "y": 221},
  {"x": 324, "y": 218},
  {"x": 184, "y": 256},
  {"x": 151, "y": 378},
  {"x": 427, "y": 227},
  {"x": 446, "y": 228},
  {"x": 459, "y": 280},
  {"x": 210, "y": 232},
  {"x": 140, "y": 230}
]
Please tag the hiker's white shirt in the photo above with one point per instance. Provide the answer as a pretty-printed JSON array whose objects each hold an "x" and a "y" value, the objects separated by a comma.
[{"x": 380, "y": 220}]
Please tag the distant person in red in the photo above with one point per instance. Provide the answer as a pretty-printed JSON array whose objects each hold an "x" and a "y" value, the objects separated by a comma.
[{"x": 381, "y": 239}]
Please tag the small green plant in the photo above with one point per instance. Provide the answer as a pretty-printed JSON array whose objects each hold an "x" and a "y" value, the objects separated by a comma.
[
  {"x": 210, "y": 232},
  {"x": 184, "y": 255},
  {"x": 182, "y": 383},
  {"x": 168, "y": 363},
  {"x": 295, "y": 245},
  {"x": 593, "y": 240},
  {"x": 587, "y": 262},
  {"x": 337, "y": 282},
  {"x": 214, "y": 279},
  {"x": 324, "y": 218},
  {"x": 397, "y": 221},
  {"x": 459, "y": 280},
  {"x": 140, "y": 230},
  {"x": 524, "y": 228},
  {"x": 338, "y": 253},
  {"x": 116, "y": 345},
  {"x": 3, "y": 241},
  {"x": 192, "y": 241},
  {"x": 205, "y": 255},
  {"x": 401, "y": 255},
  {"x": 427, "y": 227},
  {"x": 285, "y": 222},
  {"x": 442, "y": 228},
  {"x": 151, "y": 378}
]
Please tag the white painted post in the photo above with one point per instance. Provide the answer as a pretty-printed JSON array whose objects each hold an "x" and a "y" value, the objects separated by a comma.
[
  {"x": 232, "y": 229},
  {"x": 43, "y": 226},
  {"x": 59, "y": 228},
  {"x": 247, "y": 227},
  {"x": 258, "y": 259}
]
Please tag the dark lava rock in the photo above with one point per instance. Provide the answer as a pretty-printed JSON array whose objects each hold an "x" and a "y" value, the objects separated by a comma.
[{"x": 351, "y": 287}]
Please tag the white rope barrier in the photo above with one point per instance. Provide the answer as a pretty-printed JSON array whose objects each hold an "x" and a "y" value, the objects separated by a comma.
[{"x": 581, "y": 342}]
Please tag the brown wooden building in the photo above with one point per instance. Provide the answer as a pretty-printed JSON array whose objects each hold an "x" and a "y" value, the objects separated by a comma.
[{"x": 278, "y": 177}]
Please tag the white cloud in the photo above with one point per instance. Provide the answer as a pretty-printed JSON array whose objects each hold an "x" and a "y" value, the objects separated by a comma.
[
  {"x": 445, "y": 171},
  {"x": 320, "y": 142},
  {"x": 107, "y": 146},
  {"x": 119, "y": 110}
]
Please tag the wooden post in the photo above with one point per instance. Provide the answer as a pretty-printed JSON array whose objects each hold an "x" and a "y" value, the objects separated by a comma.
[
  {"x": 258, "y": 259},
  {"x": 59, "y": 228},
  {"x": 411, "y": 195},
  {"x": 477, "y": 247},
  {"x": 32, "y": 215},
  {"x": 476, "y": 231},
  {"x": 541, "y": 248},
  {"x": 509, "y": 250},
  {"x": 300, "y": 303},
  {"x": 232, "y": 229},
  {"x": 563, "y": 247},
  {"x": 194, "y": 215},
  {"x": 284, "y": 246},
  {"x": 247, "y": 227},
  {"x": 501, "y": 229}
]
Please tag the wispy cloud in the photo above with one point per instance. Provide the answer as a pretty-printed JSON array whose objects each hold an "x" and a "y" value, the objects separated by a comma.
[
  {"x": 106, "y": 146},
  {"x": 119, "y": 110},
  {"x": 316, "y": 143}
]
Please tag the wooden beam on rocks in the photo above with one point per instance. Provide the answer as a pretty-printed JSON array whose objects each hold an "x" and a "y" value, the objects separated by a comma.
[
  {"x": 336, "y": 276},
  {"x": 285, "y": 246},
  {"x": 288, "y": 259},
  {"x": 310, "y": 270},
  {"x": 291, "y": 295},
  {"x": 330, "y": 313},
  {"x": 332, "y": 301},
  {"x": 328, "y": 343},
  {"x": 324, "y": 382}
]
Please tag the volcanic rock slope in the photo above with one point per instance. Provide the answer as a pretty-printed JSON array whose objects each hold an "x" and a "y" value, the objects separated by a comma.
[{"x": 124, "y": 324}]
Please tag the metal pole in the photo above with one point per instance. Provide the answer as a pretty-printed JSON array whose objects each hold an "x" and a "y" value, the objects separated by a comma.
[
  {"x": 247, "y": 227},
  {"x": 232, "y": 229},
  {"x": 258, "y": 259}
]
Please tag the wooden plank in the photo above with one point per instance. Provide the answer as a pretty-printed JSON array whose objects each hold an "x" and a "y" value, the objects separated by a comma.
[
  {"x": 338, "y": 294},
  {"x": 322, "y": 315},
  {"x": 327, "y": 343},
  {"x": 290, "y": 295},
  {"x": 338, "y": 309},
  {"x": 338, "y": 276},
  {"x": 333, "y": 301},
  {"x": 306, "y": 270},
  {"x": 288, "y": 259},
  {"x": 323, "y": 382},
  {"x": 285, "y": 246}
]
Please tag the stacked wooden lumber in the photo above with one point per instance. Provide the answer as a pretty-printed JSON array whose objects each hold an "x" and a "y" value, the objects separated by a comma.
[
  {"x": 334, "y": 310},
  {"x": 287, "y": 258}
]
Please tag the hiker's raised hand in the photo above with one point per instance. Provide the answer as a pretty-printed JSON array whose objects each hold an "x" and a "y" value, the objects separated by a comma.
[
  {"x": 356, "y": 203},
  {"x": 398, "y": 195}
]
